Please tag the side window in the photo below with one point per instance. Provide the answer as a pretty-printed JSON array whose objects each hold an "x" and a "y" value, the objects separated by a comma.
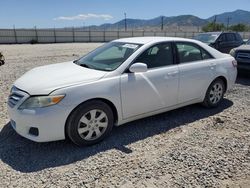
[
  {"x": 205, "y": 54},
  {"x": 157, "y": 56},
  {"x": 222, "y": 38},
  {"x": 230, "y": 37},
  {"x": 190, "y": 52},
  {"x": 153, "y": 50}
]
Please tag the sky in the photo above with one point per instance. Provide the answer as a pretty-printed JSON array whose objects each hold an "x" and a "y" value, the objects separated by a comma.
[{"x": 78, "y": 13}]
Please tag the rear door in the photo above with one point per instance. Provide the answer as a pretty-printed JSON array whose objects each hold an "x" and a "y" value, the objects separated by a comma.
[{"x": 196, "y": 68}]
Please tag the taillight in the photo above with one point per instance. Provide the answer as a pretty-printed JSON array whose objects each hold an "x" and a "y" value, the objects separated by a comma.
[{"x": 234, "y": 62}]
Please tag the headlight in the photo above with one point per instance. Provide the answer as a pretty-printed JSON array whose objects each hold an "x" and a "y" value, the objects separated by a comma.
[
  {"x": 41, "y": 101},
  {"x": 232, "y": 52}
]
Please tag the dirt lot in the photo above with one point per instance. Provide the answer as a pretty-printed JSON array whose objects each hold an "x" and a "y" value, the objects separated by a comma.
[{"x": 188, "y": 147}]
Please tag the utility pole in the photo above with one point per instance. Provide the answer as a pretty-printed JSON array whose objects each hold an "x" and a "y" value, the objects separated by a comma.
[
  {"x": 215, "y": 19},
  {"x": 125, "y": 21},
  {"x": 228, "y": 20},
  {"x": 162, "y": 18}
]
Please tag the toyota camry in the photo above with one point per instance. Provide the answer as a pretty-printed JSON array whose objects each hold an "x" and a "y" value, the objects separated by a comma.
[{"x": 121, "y": 81}]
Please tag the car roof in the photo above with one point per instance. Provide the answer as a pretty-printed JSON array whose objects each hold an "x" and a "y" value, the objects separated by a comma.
[
  {"x": 218, "y": 32},
  {"x": 212, "y": 33},
  {"x": 145, "y": 40}
]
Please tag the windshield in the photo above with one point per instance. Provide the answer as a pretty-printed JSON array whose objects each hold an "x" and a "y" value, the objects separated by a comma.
[
  {"x": 248, "y": 42},
  {"x": 109, "y": 56},
  {"x": 207, "y": 37}
]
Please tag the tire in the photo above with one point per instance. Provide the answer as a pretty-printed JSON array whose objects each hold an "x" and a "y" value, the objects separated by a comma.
[
  {"x": 90, "y": 123},
  {"x": 214, "y": 94}
]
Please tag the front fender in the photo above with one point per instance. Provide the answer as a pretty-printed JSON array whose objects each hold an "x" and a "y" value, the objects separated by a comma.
[{"x": 107, "y": 88}]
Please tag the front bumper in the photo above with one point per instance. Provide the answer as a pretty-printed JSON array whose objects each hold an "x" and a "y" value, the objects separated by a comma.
[
  {"x": 48, "y": 121},
  {"x": 243, "y": 66}
]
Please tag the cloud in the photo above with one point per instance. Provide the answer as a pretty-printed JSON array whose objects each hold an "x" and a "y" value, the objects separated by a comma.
[{"x": 85, "y": 17}]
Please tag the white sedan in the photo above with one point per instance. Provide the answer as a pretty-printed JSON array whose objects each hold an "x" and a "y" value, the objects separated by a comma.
[{"x": 121, "y": 81}]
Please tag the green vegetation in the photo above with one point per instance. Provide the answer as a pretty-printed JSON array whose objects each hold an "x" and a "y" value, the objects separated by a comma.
[
  {"x": 239, "y": 28},
  {"x": 211, "y": 26}
]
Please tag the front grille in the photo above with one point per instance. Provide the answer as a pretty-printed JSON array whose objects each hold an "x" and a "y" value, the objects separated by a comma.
[
  {"x": 14, "y": 98},
  {"x": 243, "y": 55}
]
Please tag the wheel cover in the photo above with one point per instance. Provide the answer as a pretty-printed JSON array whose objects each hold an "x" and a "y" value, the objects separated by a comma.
[
  {"x": 216, "y": 93},
  {"x": 92, "y": 124}
]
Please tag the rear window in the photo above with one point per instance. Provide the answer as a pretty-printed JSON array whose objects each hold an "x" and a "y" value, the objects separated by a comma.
[{"x": 238, "y": 37}]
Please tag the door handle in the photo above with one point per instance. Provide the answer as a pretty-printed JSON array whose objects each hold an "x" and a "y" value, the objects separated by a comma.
[{"x": 172, "y": 73}]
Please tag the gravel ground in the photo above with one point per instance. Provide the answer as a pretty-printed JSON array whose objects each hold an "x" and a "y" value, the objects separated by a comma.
[{"x": 188, "y": 147}]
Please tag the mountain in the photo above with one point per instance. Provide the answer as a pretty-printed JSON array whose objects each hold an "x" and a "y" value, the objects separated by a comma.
[
  {"x": 235, "y": 17},
  {"x": 183, "y": 20}
]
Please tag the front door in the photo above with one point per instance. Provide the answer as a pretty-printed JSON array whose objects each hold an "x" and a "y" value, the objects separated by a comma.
[{"x": 152, "y": 90}]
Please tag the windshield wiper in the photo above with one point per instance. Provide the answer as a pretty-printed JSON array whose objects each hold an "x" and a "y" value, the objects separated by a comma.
[
  {"x": 82, "y": 65},
  {"x": 85, "y": 65}
]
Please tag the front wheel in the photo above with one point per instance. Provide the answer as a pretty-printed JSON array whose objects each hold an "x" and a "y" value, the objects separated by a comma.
[
  {"x": 90, "y": 123},
  {"x": 214, "y": 94}
]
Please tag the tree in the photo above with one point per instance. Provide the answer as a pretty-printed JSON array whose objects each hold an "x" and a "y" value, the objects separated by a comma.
[
  {"x": 238, "y": 28},
  {"x": 213, "y": 27}
]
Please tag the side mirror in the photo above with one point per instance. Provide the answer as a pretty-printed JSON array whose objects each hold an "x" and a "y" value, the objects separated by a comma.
[{"x": 138, "y": 67}]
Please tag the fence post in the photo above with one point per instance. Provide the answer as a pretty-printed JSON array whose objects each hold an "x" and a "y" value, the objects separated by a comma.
[
  {"x": 89, "y": 35},
  {"x": 73, "y": 34},
  {"x": 132, "y": 33},
  {"x": 55, "y": 35},
  {"x": 104, "y": 38},
  {"x": 143, "y": 33},
  {"x": 118, "y": 36},
  {"x": 14, "y": 29},
  {"x": 36, "y": 34}
]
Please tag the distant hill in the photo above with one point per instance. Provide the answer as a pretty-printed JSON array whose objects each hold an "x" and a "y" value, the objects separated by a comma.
[
  {"x": 184, "y": 20},
  {"x": 235, "y": 17}
]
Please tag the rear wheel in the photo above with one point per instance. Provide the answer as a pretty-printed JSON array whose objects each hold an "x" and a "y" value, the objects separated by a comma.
[
  {"x": 214, "y": 94},
  {"x": 90, "y": 123}
]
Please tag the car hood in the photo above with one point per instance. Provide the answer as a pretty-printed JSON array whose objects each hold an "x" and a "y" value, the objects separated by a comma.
[
  {"x": 243, "y": 48},
  {"x": 45, "y": 79}
]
